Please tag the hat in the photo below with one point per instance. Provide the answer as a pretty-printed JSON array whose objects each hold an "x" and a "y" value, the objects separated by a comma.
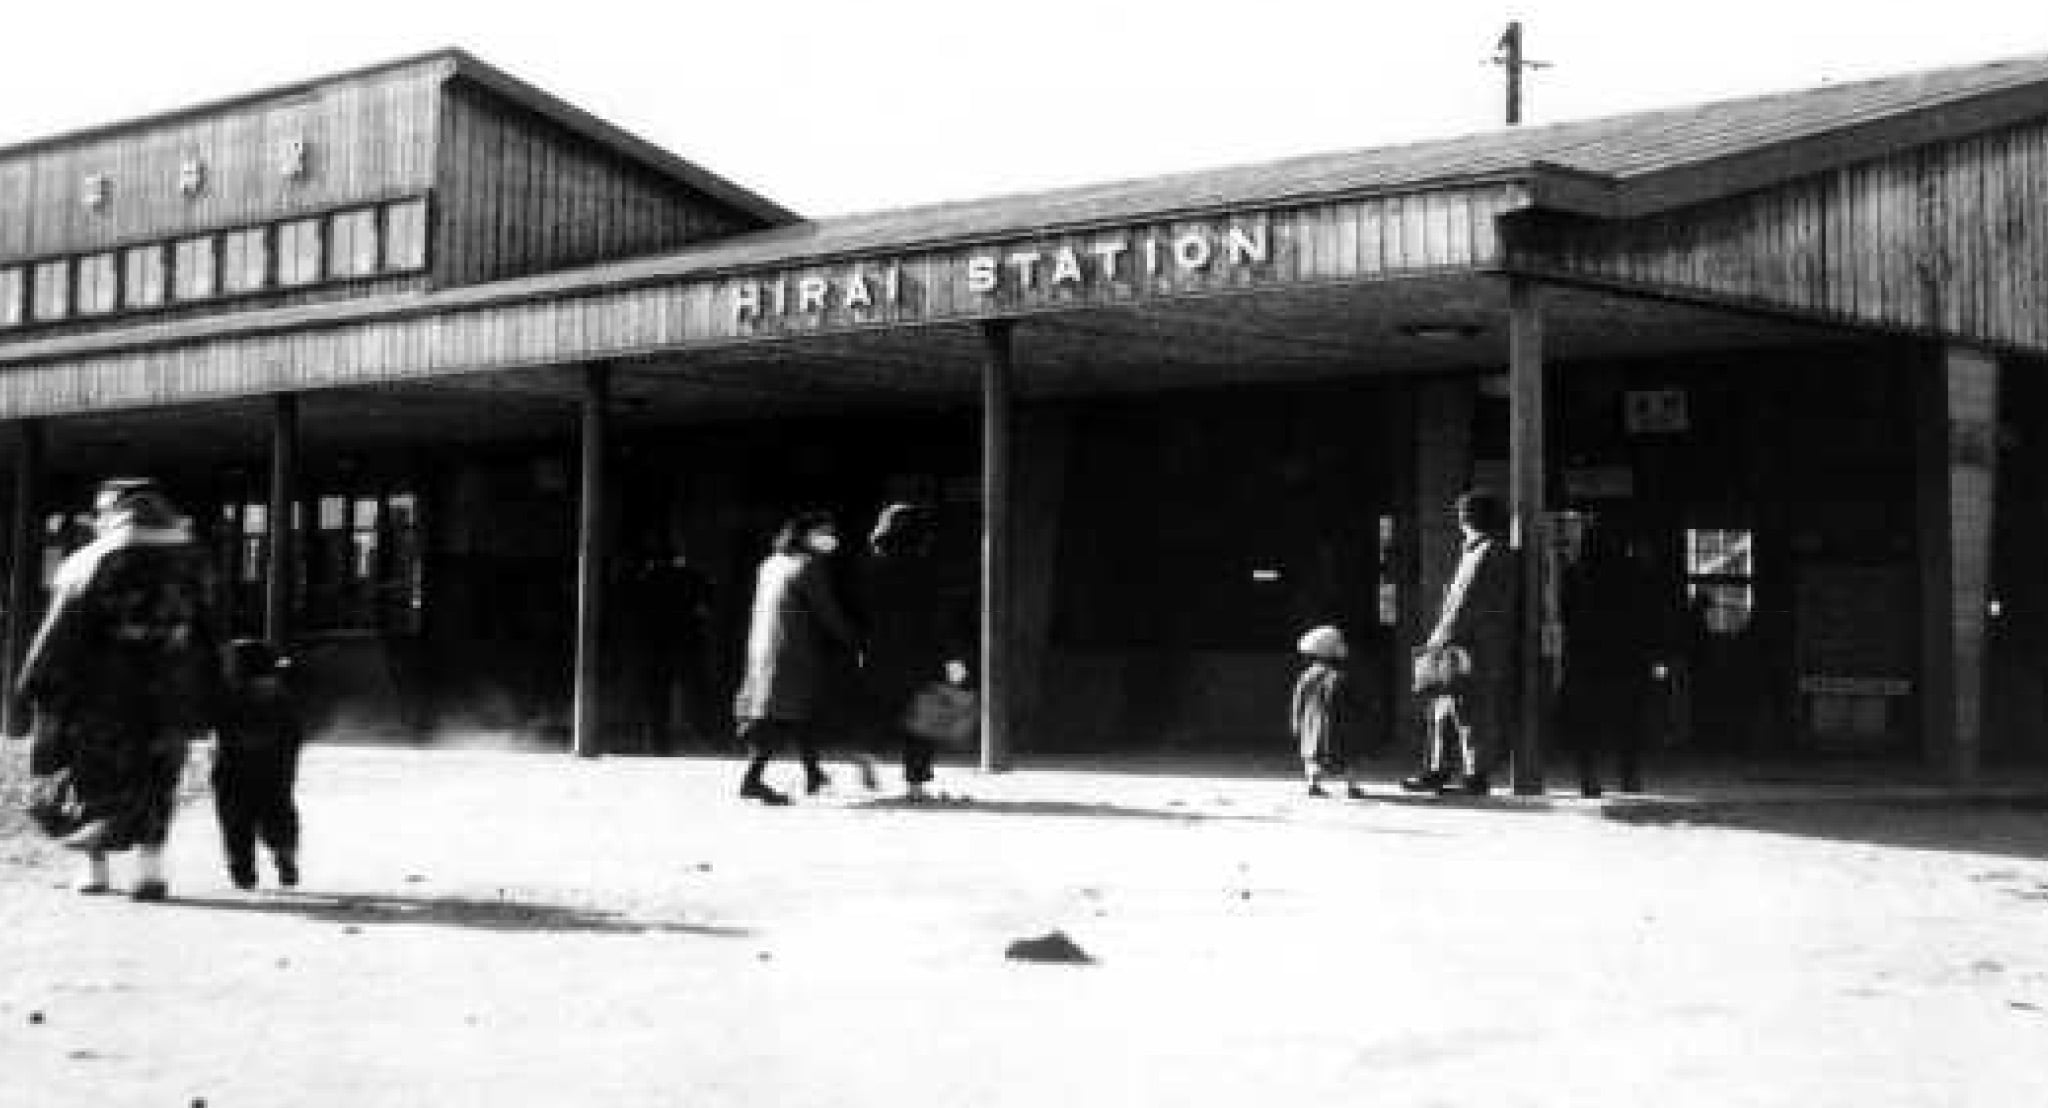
[{"x": 1323, "y": 642}]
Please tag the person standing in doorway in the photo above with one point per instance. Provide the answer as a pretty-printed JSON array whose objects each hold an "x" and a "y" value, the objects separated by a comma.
[
  {"x": 799, "y": 644},
  {"x": 1610, "y": 625},
  {"x": 123, "y": 674},
  {"x": 1478, "y": 617},
  {"x": 914, "y": 637}
]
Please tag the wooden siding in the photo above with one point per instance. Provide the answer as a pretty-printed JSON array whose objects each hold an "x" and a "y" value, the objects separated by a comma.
[
  {"x": 520, "y": 194},
  {"x": 1945, "y": 240},
  {"x": 367, "y": 138},
  {"x": 493, "y": 328}
]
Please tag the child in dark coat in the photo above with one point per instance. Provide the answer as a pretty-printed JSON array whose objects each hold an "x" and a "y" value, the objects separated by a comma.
[
  {"x": 1324, "y": 716},
  {"x": 256, "y": 763}
]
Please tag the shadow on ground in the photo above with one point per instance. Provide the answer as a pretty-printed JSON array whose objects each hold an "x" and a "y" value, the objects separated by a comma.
[
  {"x": 1067, "y": 808},
  {"x": 453, "y": 911},
  {"x": 2010, "y": 827}
]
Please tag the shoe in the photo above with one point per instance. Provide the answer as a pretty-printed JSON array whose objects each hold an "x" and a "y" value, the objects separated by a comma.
[
  {"x": 1590, "y": 791},
  {"x": 815, "y": 783},
  {"x": 150, "y": 891},
  {"x": 1430, "y": 782},
  {"x": 1316, "y": 790},
  {"x": 1474, "y": 784},
  {"x": 914, "y": 793},
  {"x": 755, "y": 790},
  {"x": 92, "y": 887},
  {"x": 1353, "y": 792},
  {"x": 287, "y": 870},
  {"x": 868, "y": 780},
  {"x": 243, "y": 875}
]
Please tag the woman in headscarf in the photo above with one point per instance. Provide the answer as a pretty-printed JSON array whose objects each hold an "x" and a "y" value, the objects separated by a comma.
[
  {"x": 915, "y": 639},
  {"x": 800, "y": 647},
  {"x": 123, "y": 673}
]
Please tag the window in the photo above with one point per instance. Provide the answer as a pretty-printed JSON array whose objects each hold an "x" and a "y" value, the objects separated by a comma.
[
  {"x": 245, "y": 261},
  {"x": 298, "y": 252},
  {"x": 405, "y": 235},
  {"x": 144, "y": 286},
  {"x": 1720, "y": 573},
  {"x": 99, "y": 284},
  {"x": 355, "y": 244},
  {"x": 360, "y": 560},
  {"x": 12, "y": 288},
  {"x": 53, "y": 290},
  {"x": 197, "y": 268}
]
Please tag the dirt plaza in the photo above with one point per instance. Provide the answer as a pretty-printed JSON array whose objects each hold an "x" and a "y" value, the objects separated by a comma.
[{"x": 501, "y": 928}]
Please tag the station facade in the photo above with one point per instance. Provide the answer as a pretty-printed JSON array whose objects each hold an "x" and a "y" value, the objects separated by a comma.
[{"x": 449, "y": 372}]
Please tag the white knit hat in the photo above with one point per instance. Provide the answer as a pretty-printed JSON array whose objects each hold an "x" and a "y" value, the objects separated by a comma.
[{"x": 1323, "y": 642}]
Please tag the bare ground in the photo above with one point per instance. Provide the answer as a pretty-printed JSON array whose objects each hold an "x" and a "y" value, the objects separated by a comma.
[{"x": 508, "y": 929}]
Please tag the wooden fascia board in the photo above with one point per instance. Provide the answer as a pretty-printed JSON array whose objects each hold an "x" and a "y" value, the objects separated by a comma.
[{"x": 551, "y": 286}]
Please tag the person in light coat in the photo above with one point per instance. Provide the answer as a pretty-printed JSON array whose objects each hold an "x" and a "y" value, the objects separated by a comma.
[
  {"x": 1478, "y": 616},
  {"x": 801, "y": 653}
]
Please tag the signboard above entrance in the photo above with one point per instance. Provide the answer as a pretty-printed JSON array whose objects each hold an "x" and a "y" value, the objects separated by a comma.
[{"x": 1114, "y": 264}]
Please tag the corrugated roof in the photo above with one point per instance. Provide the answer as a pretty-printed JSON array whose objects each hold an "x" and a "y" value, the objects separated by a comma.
[{"x": 1618, "y": 165}]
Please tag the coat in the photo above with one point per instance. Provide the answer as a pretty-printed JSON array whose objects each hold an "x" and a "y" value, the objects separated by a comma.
[
  {"x": 1479, "y": 607},
  {"x": 123, "y": 672},
  {"x": 1325, "y": 717},
  {"x": 800, "y": 644},
  {"x": 913, "y": 629}
]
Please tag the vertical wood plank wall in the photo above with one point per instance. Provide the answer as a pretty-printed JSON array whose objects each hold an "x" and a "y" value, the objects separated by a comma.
[
  {"x": 520, "y": 194},
  {"x": 367, "y": 137},
  {"x": 1947, "y": 238}
]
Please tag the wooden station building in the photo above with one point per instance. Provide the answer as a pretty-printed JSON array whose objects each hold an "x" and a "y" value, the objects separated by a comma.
[{"x": 437, "y": 360}]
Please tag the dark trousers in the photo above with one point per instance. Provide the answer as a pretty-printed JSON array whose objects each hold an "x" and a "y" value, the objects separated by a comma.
[
  {"x": 917, "y": 758},
  {"x": 252, "y": 795},
  {"x": 764, "y": 737},
  {"x": 1603, "y": 713}
]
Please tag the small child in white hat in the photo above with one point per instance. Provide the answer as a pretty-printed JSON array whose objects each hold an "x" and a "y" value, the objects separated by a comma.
[{"x": 1323, "y": 714}]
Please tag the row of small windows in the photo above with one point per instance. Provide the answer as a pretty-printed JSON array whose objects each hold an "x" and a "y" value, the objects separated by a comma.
[{"x": 299, "y": 253}]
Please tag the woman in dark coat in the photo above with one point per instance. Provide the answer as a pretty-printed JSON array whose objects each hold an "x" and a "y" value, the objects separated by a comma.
[
  {"x": 1609, "y": 603},
  {"x": 123, "y": 674},
  {"x": 800, "y": 647},
  {"x": 914, "y": 637}
]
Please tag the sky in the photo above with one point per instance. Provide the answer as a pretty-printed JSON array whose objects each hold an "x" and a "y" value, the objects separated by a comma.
[{"x": 830, "y": 108}]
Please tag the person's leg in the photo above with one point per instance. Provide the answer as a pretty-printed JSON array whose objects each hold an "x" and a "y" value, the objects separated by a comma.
[
  {"x": 759, "y": 735},
  {"x": 805, "y": 734},
  {"x": 278, "y": 820},
  {"x": 1628, "y": 736},
  {"x": 918, "y": 753},
  {"x": 1441, "y": 737},
  {"x": 237, "y": 826},
  {"x": 95, "y": 876}
]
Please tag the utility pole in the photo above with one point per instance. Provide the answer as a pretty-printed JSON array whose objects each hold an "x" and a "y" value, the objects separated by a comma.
[{"x": 1510, "y": 58}]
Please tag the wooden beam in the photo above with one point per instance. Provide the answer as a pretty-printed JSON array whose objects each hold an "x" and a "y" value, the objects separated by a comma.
[
  {"x": 24, "y": 572},
  {"x": 1958, "y": 477},
  {"x": 280, "y": 571},
  {"x": 1527, "y": 416},
  {"x": 586, "y": 738},
  {"x": 995, "y": 545}
]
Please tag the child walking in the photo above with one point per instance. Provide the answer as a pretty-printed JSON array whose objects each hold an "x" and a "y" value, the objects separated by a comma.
[
  {"x": 1323, "y": 715},
  {"x": 256, "y": 763}
]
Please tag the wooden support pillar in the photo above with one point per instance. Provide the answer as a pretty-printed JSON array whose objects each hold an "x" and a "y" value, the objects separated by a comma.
[
  {"x": 586, "y": 739},
  {"x": 995, "y": 546},
  {"x": 1958, "y": 470},
  {"x": 280, "y": 568},
  {"x": 1527, "y": 478},
  {"x": 24, "y": 572}
]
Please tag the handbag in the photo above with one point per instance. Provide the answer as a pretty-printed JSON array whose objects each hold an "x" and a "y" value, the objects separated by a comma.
[
  {"x": 1443, "y": 672},
  {"x": 53, "y": 804},
  {"x": 943, "y": 713}
]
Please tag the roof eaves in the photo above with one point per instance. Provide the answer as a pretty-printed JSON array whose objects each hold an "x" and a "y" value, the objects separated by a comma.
[{"x": 1775, "y": 163}]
